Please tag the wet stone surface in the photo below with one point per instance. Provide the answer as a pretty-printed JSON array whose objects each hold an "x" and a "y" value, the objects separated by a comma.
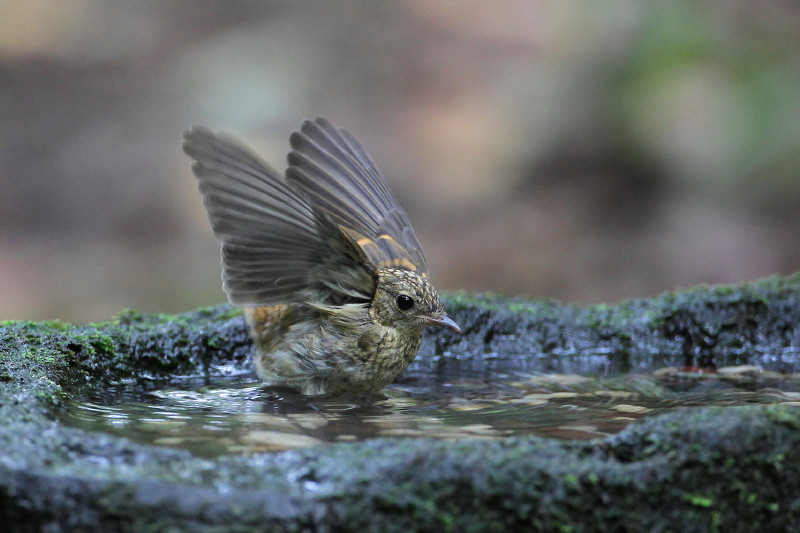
[{"x": 675, "y": 413}]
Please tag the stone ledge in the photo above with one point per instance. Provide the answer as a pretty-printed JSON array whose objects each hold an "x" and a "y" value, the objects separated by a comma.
[{"x": 690, "y": 470}]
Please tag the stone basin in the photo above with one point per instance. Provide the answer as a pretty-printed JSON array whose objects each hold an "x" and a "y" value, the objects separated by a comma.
[{"x": 700, "y": 469}]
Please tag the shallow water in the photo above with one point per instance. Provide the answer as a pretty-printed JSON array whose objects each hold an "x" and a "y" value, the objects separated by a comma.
[{"x": 240, "y": 415}]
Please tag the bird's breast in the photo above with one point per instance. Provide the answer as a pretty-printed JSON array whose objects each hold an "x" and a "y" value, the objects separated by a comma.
[{"x": 388, "y": 348}]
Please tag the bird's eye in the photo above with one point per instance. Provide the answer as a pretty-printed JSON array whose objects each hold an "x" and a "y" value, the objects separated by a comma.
[{"x": 404, "y": 302}]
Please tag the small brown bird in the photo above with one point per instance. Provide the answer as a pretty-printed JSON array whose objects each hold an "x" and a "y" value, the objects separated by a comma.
[{"x": 326, "y": 263}]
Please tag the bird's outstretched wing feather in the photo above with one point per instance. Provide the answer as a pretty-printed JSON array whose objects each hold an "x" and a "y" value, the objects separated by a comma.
[
  {"x": 276, "y": 246},
  {"x": 335, "y": 171}
]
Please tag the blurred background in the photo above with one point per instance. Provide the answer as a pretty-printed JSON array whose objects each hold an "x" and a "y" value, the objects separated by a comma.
[{"x": 584, "y": 151}]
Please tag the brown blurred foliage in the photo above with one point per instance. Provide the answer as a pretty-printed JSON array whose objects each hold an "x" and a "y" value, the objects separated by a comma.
[{"x": 586, "y": 151}]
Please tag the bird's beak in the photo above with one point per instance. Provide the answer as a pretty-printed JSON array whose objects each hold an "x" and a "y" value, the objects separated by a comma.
[{"x": 443, "y": 321}]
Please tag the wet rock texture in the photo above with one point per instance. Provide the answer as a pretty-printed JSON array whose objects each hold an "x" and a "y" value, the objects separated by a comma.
[{"x": 733, "y": 469}]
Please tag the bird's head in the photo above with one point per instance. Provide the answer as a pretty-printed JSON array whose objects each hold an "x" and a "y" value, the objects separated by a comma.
[{"x": 406, "y": 300}]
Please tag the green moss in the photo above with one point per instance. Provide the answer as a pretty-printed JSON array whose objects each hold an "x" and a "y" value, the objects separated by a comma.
[
  {"x": 699, "y": 501},
  {"x": 703, "y": 326},
  {"x": 778, "y": 413}
]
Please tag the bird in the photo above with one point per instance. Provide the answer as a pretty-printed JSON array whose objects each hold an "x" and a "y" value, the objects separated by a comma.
[{"x": 323, "y": 260}]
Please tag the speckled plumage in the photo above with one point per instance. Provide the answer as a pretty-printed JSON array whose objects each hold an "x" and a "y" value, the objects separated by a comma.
[{"x": 325, "y": 262}]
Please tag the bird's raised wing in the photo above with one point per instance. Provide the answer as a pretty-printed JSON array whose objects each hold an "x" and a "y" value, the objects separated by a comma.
[
  {"x": 276, "y": 246},
  {"x": 335, "y": 171}
]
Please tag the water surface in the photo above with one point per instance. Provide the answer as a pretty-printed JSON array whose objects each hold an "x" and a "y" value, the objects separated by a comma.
[{"x": 239, "y": 415}]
